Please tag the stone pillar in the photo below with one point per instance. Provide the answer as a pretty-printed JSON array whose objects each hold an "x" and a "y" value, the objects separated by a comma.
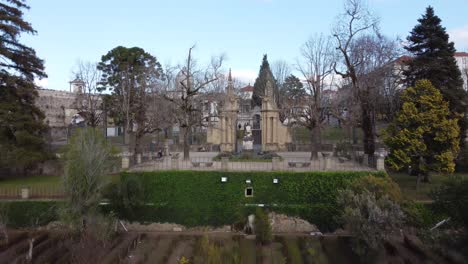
[
  {"x": 150, "y": 155},
  {"x": 275, "y": 130},
  {"x": 380, "y": 163},
  {"x": 327, "y": 165},
  {"x": 365, "y": 160},
  {"x": 175, "y": 163},
  {"x": 139, "y": 158},
  {"x": 25, "y": 192},
  {"x": 224, "y": 163},
  {"x": 125, "y": 161},
  {"x": 275, "y": 162}
]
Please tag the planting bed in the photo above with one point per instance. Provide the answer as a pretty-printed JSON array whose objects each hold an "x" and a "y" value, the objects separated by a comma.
[{"x": 173, "y": 247}]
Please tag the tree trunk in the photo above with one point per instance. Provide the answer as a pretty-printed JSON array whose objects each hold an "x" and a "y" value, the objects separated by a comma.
[
  {"x": 368, "y": 130},
  {"x": 418, "y": 181},
  {"x": 186, "y": 143},
  {"x": 315, "y": 143},
  {"x": 137, "y": 148}
]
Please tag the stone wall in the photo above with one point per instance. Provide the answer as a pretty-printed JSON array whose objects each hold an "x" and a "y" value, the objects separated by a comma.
[{"x": 58, "y": 107}]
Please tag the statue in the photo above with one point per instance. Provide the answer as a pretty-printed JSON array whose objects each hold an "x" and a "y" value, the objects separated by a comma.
[{"x": 247, "y": 142}]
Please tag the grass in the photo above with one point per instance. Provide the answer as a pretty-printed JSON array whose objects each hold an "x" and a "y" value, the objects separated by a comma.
[
  {"x": 407, "y": 185},
  {"x": 41, "y": 181}
]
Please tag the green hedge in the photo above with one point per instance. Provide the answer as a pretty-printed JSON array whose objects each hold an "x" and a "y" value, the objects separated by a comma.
[
  {"x": 200, "y": 198},
  {"x": 30, "y": 213}
]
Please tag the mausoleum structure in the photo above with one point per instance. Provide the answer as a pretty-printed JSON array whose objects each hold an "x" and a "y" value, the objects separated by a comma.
[
  {"x": 224, "y": 133},
  {"x": 274, "y": 135}
]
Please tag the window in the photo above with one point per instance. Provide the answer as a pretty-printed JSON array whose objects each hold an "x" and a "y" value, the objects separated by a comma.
[{"x": 249, "y": 192}]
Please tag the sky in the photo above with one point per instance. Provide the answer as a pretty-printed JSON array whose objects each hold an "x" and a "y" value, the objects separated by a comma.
[{"x": 242, "y": 30}]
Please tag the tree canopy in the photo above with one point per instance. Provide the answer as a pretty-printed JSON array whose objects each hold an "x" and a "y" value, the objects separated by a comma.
[
  {"x": 424, "y": 134},
  {"x": 264, "y": 75},
  {"x": 130, "y": 74},
  {"x": 22, "y": 129},
  {"x": 433, "y": 59}
]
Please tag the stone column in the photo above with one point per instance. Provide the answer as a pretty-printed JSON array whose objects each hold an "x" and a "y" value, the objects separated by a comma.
[
  {"x": 365, "y": 160},
  {"x": 125, "y": 161},
  {"x": 275, "y": 163},
  {"x": 327, "y": 165},
  {"x": 175, "y": 163},
  {"x": 380, "y": 163},
  {"x": 224, "y": 163},
  {"x": 275, "y": 130},
  {"x": 139, "y": 158},
  {"x": 25, "y": 192}
]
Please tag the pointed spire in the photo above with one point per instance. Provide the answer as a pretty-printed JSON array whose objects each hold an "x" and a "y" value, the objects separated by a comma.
[{"x": 230, "y": 87}]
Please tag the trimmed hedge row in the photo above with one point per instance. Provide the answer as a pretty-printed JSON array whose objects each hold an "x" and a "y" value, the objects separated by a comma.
[
  {"x": 200, "y": 198},
  {"x": 30, "y": 213}
]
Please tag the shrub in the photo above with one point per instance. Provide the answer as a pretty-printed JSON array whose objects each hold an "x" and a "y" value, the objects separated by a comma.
[
  {"x": 451, "y": 198},
  {"x": 87, "y": 160},
  {"x": 379, "y": 186},
  {"x": 371, "y": 220},
  {"x": 420, "y": 215},
  {"x": 31, "y": 213},
  {"x": 262, "y": 227}
]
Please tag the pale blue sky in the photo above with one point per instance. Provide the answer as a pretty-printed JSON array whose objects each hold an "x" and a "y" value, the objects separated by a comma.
[{"x": 242, "y": 29}]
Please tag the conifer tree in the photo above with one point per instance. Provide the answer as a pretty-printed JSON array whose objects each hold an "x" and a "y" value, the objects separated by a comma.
[
  {"x": 260, "y": 83},
  {"x": 22, "y": 128},
  {"x": 433, "y": 59},
  {"x": 424, "y": 134}
]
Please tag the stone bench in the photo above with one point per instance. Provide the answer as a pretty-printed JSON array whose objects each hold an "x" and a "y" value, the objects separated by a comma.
[
  {"x": 298, "y": 164},
  {"x": 204, "y": 163},
  {"x": 161, "y": 159},
  {"x": 343, "y": 159}
]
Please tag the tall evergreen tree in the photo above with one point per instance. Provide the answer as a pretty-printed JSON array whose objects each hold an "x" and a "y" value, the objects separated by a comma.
[
  {"x": 131, "y": 75},
  {"x": 424, "y": 134},
  {"x": 22, "y": 128},
  {"x": 433, "y": 60},
  {"x": 260, "y": 83}
]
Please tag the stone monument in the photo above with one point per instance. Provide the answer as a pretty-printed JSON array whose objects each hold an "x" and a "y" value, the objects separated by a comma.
[{"x": 247, "y": 141}]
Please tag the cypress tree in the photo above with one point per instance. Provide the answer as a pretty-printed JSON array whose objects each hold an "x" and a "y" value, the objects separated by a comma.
[
  {"x": 22, "y": 128},
  {"x": 260, "y": 83},
  {"x": 433, "y": 59}
]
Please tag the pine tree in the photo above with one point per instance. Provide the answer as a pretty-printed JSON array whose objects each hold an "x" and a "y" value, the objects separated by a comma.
[
  {"x": 22, "y": 128},
  {"x": 433, "y": 59},
  {"x": 424, "y": 134},
  {"x": 260, "y": 83},
  {"x": 293, "y": 88}
]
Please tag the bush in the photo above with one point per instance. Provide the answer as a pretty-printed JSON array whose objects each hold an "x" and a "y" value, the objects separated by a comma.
[
  {"x": 31, "y": 213},
  {"x": 380, "y": 186},
  {"x": 371, "y": 220},
  {"x": 87, "y": 161},
  {"x": 420, "y": 215},
  {"x": 262, "y": 227},
  {"x": 451, "y": 198},
  {"x": 196, "y": 198}
]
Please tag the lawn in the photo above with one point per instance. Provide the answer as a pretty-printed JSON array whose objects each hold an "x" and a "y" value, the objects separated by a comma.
[
  {"x": 407, "y": 185},
  {"x": 41, "y": 181}
]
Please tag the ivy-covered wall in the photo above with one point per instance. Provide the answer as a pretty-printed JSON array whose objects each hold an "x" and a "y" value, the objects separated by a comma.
[{"x": 200, "y": 198}]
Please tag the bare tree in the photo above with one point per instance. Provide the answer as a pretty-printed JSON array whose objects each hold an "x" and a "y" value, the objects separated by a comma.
[
  {"x": 316, "y": 66},
  {"x": 364, "y": 51},
  {"x": 192, "y": 83},
  {"x": 281, "y": 70},
  {"x": 88, "y": 101}
]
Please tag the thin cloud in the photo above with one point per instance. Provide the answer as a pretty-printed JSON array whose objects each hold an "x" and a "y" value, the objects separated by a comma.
[
  {"x": 43, "y": 83},
  {"x": 460, "y": 37},
  {"x": 247, "y": 76}
]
